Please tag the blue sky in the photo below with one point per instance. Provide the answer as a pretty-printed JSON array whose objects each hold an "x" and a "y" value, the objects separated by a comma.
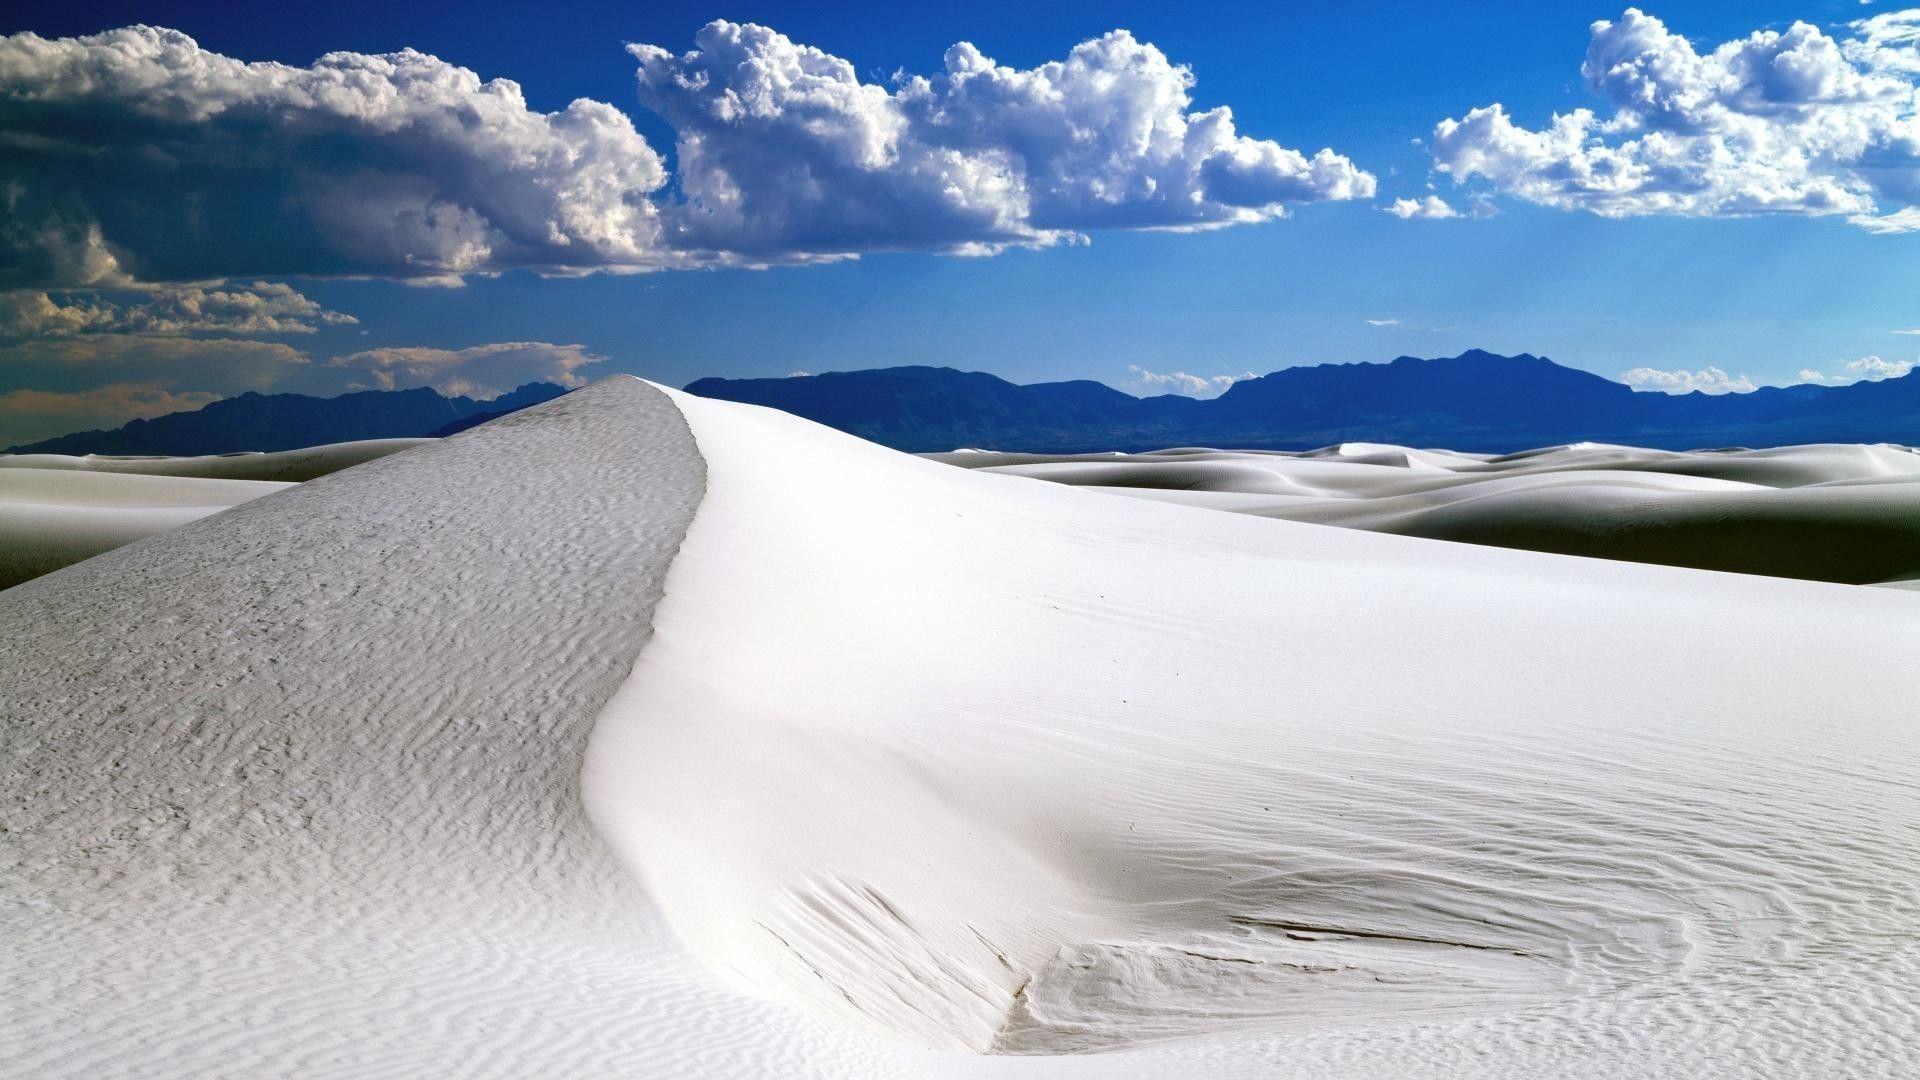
[{"x": 1755, "y": 272}]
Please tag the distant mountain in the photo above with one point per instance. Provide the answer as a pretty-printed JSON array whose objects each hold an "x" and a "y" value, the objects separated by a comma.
[
  {"x": 1476, "y": 401},
  {"x": 269, "y": 422}
]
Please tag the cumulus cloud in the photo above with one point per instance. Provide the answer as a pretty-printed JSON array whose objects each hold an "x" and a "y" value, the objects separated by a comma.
[
  {"x": 1865, "y": 369},
  {"x": 135, "y": 155},
  {"x": 1432, "y": 206},
  {"x": 481, "y": 371},
  {"x": 784, "y": 152},
  {"x": 1709, "y": 380},
  {"x": 259, "y": 308},
  {"x": 30, "y": 415},
  {"x": 135, "y": 152},
  {"x": 1179, "y": 382},
  {"x": 1782, "y": 121}
]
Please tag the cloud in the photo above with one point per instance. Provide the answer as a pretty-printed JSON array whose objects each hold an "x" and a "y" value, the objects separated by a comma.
[
  {"x": 259, "y": 308},
  {"x": 1433, "y": 206},
  {"x": 1179, "y": 382},
  {"x": 1788, "y": 122},
  {"x": 136, "y": 153},
  {"x": 86, "y": 361},
  {"x": 1910, "y": 331},
  {"x": 30, "y": 415},
  {"x": 784, "y": 152},
  {"x": 482, "y": 371},
  {"x": 1904, "y": 220},
  {"x": 1865, "y": 369},
  {"x": 1709, "y": 380},
  {"x": 1382, "y": 322}
]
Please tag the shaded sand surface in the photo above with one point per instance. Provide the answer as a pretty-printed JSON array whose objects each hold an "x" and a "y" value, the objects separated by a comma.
[
  {"x": 1846, "y": 513},
  {"x": 901, "y": 770},
  {"x": 56, "y": 510},
  {"x": 51, "y": 518},
  {"x": 287, "y": 466}
]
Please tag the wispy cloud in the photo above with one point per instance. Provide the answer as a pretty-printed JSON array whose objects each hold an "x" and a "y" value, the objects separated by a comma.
[
  {"x": 269, "y": 308},
  {"x": 29, "y": 415},
  {"x": 478, "y": 371},
  {"x": 1382, "y": 322}
]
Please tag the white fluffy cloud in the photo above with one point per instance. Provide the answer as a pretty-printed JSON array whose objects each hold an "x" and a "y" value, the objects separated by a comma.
[
  {"x": 1865, "y": 369},
  {"x": 1179, "y": 382},
  {"x": 783, "y": 151},
  {"x": 135, "y": 155},
  {"x": 1781, "y": 121},
  {"x": 260, "y": 308},
  {"x": 1709, "y": 380},
  {"x": 483, "y": 371},
  {"x": 1432, "y": 206},
  {"x": 136, "y": 152}
]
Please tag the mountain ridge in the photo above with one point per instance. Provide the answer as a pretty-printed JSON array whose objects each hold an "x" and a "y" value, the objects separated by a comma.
[
  {"x": 268, "y": 422},
  {"x": 1476, "y": 401}
]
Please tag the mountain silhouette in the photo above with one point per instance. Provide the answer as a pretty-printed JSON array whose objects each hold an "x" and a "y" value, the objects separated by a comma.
[
  {"x": 268, "y": 422},
  {"x": 1477, "y": 401}
]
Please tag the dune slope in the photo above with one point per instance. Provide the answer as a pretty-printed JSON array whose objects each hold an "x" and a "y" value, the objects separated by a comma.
[
  {"x": 640, "y": 735},
  {"x": 291, "y": 791},
  {"x": 993, "y": 765},
  {"x": 52, "y": 518}
]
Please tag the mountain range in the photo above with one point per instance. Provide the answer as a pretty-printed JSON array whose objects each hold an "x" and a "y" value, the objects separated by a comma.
[
  {"x": 269, "y": 422},
  {"x": 1477, "y": 401}
]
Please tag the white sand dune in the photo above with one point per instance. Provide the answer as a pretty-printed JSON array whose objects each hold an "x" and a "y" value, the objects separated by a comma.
[
  {"x": 1845, "y": 513},
  {"x": 50, "y": 518},
  {"x": 287, "y": 466},
  {"x": 896, "y": 765},
  {"x": 56, "y": 510}
]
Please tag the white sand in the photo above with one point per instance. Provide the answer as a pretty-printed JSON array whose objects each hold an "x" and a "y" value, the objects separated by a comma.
[
  {"x": 281, "y": 465},
  {"x": 50, "y": 518},
  {"x": 1845, "y": 513},
  {"x": 920, "y": 758},
  {"x": 56, "y": 510}
]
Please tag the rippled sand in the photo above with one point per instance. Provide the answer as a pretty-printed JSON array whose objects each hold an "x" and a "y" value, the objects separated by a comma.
[
  {"x": 643, "y": 735},
  {"x": 56, "y": 510}
]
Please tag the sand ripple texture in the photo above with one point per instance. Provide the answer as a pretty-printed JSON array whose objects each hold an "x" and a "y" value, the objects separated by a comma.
[
  {"x": 56, "y": 510},
  {"x": 1128, "y": 789},
  {"x": 1845, "y": 513},
  {"x": 293, "y": 791},
  {"x": 638, "y": 735}
]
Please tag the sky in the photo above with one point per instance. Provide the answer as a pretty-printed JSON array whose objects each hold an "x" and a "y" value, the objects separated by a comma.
[{"x": 1161, "y": 197}]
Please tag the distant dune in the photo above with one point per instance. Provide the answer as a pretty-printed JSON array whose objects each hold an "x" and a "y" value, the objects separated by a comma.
[
  {"x": 57, "y": 510},
  {"x": 1829, "y": 513},
  {"x": 642, "y": 735}
]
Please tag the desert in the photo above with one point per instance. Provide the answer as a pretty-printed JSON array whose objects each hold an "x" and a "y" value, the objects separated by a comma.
[{"x": 1141, "y": 788}]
